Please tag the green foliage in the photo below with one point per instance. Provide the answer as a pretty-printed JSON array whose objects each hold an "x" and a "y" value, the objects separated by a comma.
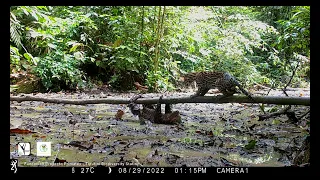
[
  {"x": 161, "y": 79},
  {"x": 59, "y": 71},
  {"x": 119, "y": 45},
  {"x": 291, "y": 47},
  {"x": 19, "y": 60},
  {"x": 15, "y": 57},
  {"x": 50, "y": 39}
]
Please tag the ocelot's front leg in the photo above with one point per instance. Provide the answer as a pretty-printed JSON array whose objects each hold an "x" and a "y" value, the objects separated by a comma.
[
  {"x": 200, "y": 92},
  {"x": 157, "y": 114}
]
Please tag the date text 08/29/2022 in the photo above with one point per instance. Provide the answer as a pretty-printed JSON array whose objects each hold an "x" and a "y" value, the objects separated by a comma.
[{"x": 161, "y": 170}]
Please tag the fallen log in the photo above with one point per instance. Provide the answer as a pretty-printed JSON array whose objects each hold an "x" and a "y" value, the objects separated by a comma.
[{"x": 283, "y": 100}]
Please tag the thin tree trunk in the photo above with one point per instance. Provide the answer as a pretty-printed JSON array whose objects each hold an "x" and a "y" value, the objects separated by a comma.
[
  {"x": 162, "y": 20},
  {"x": 142, "y": 29},
  {"x": 157, "y": 42}
]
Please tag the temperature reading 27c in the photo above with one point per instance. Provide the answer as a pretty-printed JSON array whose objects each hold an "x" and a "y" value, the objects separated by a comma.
[
  {"x": 87, "y": 170},
  {"x": 84, "y": 170}
]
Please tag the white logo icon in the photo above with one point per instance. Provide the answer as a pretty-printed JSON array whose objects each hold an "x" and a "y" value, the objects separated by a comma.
[
  {"x": 23, "y": 149},
  {"x": 43, "y": 148},
  {"x": 14, "y": 163}
]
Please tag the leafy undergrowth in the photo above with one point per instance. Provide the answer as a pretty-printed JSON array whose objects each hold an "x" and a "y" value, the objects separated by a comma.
[{"x": 210, "y": 134}]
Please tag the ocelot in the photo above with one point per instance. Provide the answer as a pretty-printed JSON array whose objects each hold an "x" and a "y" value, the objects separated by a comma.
[
  {"x": 148, "y": 112},
  {"x": 223, "y": 81}
]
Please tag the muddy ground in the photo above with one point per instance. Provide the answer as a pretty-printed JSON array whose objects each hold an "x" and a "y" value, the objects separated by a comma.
[{"x": 209, "y": 135}]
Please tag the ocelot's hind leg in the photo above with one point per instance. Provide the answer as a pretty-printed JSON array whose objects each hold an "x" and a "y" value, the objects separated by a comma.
[
  {"x": 204, "y": 91},
  {"x": 225, "y": 93},
  {"x": 200, "y": 92}
]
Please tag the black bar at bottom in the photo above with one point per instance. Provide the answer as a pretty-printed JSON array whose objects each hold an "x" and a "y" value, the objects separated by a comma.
[{"x": 159, "y": 171}]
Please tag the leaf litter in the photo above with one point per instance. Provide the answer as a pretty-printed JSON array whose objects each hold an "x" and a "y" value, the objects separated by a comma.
[{"x": 210, "y": 134}]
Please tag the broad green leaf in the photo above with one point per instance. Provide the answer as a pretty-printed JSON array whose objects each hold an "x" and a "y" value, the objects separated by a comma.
[
  {"x": 42, "y": 7},
  {"x": 296, "y": 14},
  {"x": 14, "y": 50},
  {"x": 75, "y": 46},
  {"x": 28, "y": 56}
]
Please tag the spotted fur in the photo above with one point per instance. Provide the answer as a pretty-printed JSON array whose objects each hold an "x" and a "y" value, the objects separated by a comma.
[
  {"x": 223, "y": 81},
  {"x": 149, "y": 113}
]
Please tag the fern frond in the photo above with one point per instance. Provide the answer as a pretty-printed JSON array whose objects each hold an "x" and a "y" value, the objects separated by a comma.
[{"x": 15, "y": 34}]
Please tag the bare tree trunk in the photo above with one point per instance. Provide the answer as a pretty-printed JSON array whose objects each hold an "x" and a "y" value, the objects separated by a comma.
[
  {"x": 142, "y": 29},
  {"x": 157, "y": 41}
]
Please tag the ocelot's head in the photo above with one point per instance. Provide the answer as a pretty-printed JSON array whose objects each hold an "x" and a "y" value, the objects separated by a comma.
[{"x": 187, "y": 79}]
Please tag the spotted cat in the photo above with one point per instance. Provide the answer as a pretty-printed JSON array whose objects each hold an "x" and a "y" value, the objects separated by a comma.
[
  {"x": 225, "y": 83},
  {"x": 148, "y": 112}
]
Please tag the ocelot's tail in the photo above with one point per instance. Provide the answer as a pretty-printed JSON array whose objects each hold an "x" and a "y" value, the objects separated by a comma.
[
  {"x": 249, "y": 96},
  {"x": 242, "y": 89}
]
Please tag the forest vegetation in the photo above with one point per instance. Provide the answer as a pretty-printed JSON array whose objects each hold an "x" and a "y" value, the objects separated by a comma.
[{"x": 54, "y": 48}]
